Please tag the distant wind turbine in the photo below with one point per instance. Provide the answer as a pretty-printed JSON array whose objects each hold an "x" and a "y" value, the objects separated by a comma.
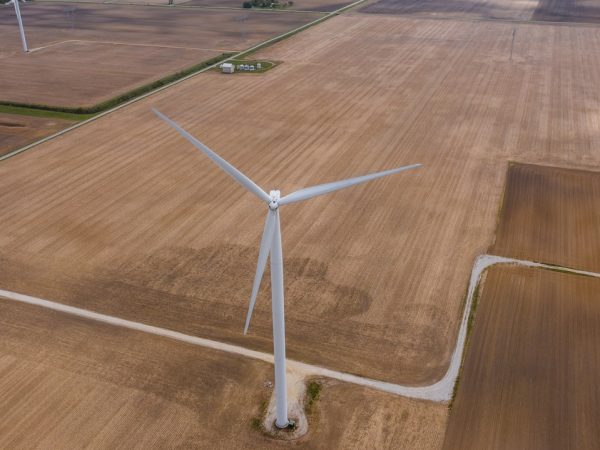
[
  {"x": 271, "y": 244},
  {"x": 21, "y": 29}
]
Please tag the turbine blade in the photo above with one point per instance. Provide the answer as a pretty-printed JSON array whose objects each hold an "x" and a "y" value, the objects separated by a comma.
[
  {"x": 265, "y": 248},
  {"x": 224, "y": 165},
  {"x": 306, "y": 193}
]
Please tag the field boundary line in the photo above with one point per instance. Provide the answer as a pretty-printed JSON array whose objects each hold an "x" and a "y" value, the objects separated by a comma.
[
  {"x": 241, "y": 54},
  {"x": 440, "y": 391}
]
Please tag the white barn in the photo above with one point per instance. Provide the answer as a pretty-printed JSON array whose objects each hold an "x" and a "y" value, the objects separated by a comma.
[{"x": 228, "y": 68}]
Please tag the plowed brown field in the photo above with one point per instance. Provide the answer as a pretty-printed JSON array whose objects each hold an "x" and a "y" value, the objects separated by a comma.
[
  {"x": 72, "y": 383},
  {"x": 551, "y": 215},
  {"x": 531, "y": 369},
  {"x": 86, "y": 53},
  {"x": 17, "y": 131},
  {"x": 585, "y": 11},
  {"x": 125, "y": 217},
  {"x": 568, "y": 11},
  {"x": 463, "y": 9}
]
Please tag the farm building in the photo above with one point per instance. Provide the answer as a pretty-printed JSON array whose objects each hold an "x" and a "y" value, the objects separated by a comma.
[{"x": 228, "y": 68}]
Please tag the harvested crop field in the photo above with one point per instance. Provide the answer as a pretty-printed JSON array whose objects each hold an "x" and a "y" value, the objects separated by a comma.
[
  {"x": 17, "y": 131},
  {"x": 583, "y": 11},
  {"x": 92, "y": 52},
  {"x": 150, "y": 25},
  {"x": 125, "y": 2},
  {"x": 67, "y": 382},
  {"x": 531, "y": 368},
  {"x": 299, "y": 5},
  {"x": 124, "y": 217},
  {"x": 568, "y": 11},
  {"x": 551, "y": 215},
  {"x": 458, "y": 9},
  {"x": 87, "y": 73}
]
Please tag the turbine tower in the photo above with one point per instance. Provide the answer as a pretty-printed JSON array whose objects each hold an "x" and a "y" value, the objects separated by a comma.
[
  {"x": 271, "y": 245},
  {"x": 21, "y": 29}
]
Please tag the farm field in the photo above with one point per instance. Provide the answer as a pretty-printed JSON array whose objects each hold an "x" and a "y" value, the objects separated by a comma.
[
  {"x": 49, "y": 22},
  {"x": 123, "y": 217},
  {"x": 530, "y": 373},
  {"x": 551, "y": 215},
  {"x": 93, "y": 52},
  {"x": 456, "y": 9},
  {"x": 304, "y": 5},
  {"x": 124, "y": 2},
  {"x": 568, "y": 11},
  {"x": 17, "y": 130},
  {"x": 87, "y": 73},
  {"x": 102, "y": 386},
  {"x": 299, "y": 5}
]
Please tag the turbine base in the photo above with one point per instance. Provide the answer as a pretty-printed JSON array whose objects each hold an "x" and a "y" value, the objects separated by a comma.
[{"x": 290, "y": 425}]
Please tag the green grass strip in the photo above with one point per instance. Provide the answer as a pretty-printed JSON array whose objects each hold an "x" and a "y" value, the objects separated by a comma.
[
  {"x": 313, "y": 393},
  {"x": 23, "y": 111},
  {"x": 470, "y": 324}
]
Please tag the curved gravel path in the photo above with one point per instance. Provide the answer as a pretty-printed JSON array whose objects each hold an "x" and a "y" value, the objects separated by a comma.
[{"x": 441, "y": 391}]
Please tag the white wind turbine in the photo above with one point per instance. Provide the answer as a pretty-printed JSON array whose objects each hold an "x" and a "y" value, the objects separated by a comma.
[
  {"x": 21, "y": 29},
  {"x": 271, "y": 244}
]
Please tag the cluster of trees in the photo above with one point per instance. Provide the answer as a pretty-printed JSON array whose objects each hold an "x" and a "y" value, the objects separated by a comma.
[{"x": 267, "y": 3}]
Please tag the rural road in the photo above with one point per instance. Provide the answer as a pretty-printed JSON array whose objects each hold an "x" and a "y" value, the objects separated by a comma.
[{"x": 441, "y": 391}]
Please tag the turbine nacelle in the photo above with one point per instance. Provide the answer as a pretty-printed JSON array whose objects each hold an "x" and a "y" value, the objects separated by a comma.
[{"x": 274, "y": 203}]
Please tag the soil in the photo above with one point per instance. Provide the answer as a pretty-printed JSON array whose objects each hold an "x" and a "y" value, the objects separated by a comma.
[
  {"x": 17, "y": 131},
  {"x": 72, "y": 383},
  {"x": 124, "y": 216},
  {"x": 456, "y": 9},
  {"x": 586, "y": 11},
  {"x": 530, "y": 372},
  {"x": 89, "y": 53},
  {"x": 302, "y": 5},
  {"x": 551, "y": 215}
]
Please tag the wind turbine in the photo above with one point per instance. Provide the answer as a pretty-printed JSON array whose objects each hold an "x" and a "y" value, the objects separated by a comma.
[
  {"x": 21, "y": 29},
  {"x": 271, "y": 244}
]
